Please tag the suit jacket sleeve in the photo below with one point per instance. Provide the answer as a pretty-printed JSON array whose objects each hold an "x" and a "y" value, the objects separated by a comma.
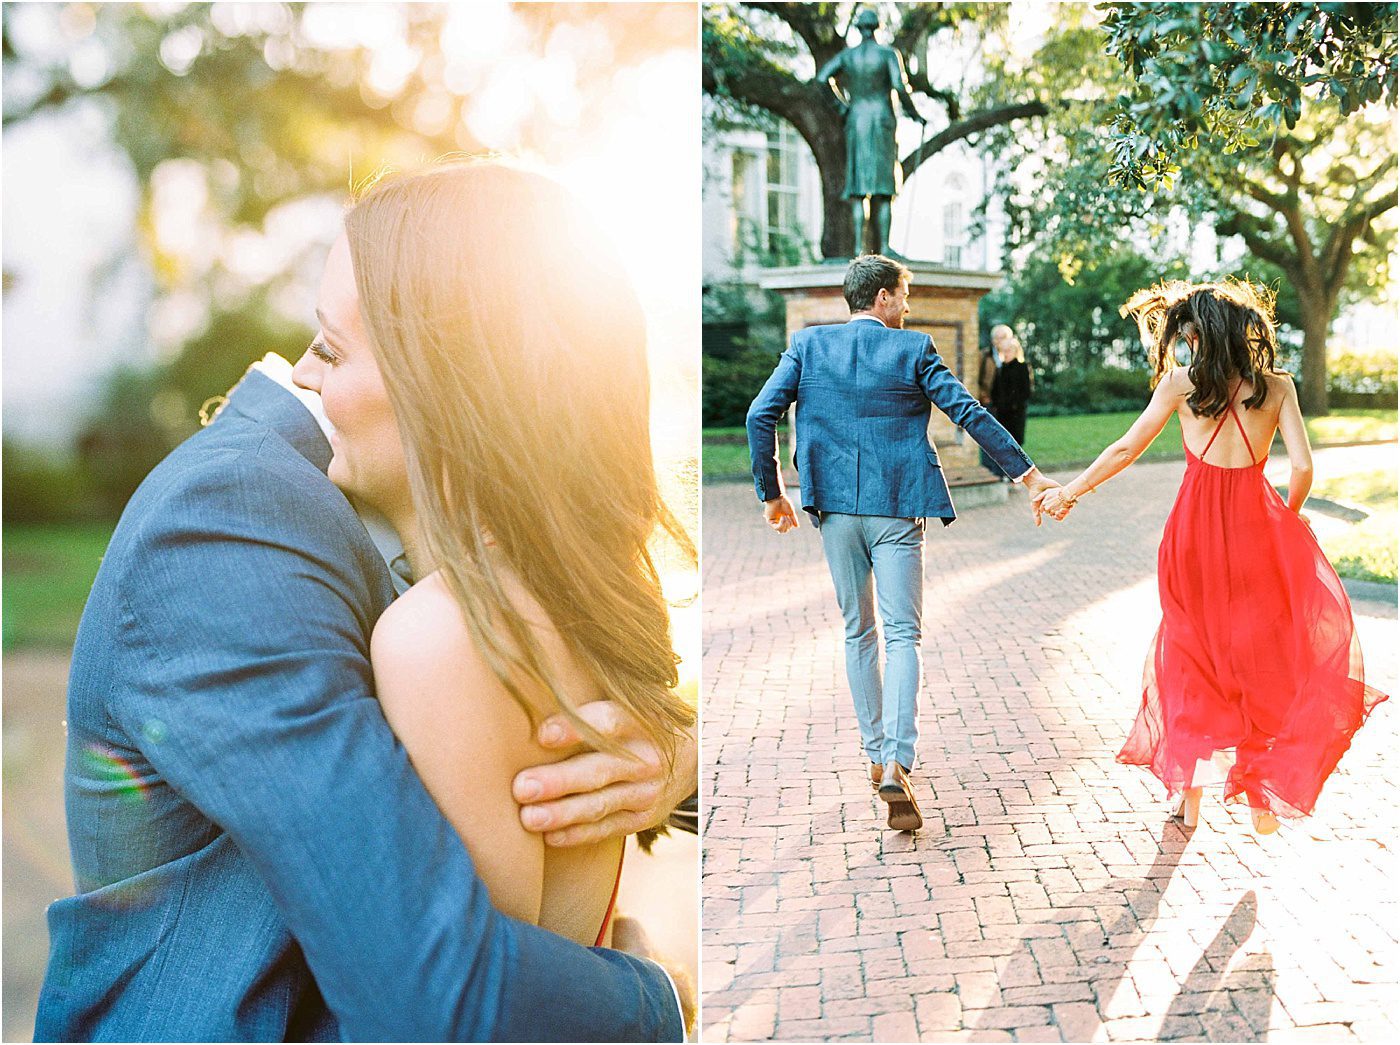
[
  {"x": 246, "y": 683},
  {"x": 765, "y": 411},
  {"x": 947, "y": 393}
]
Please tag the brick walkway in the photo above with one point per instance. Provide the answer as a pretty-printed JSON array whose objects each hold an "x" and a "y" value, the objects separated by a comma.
[{"x": 1048, "y": 897}]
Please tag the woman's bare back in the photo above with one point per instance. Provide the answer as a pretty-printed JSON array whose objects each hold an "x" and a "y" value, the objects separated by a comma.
[{"x": 1229, "y": 449}]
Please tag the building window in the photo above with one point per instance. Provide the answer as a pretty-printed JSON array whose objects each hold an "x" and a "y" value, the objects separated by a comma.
[
  {"x": 741, "y": 207},
  {"x": 954, "y": 221},
  {"x": 782, "y": 231}
]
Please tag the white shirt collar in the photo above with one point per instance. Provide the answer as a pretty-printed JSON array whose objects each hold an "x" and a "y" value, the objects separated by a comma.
[
  {"x": 278, "y": 369},
  {"x": 873, "y": 319},
  {"x": 384, "y": 536}
]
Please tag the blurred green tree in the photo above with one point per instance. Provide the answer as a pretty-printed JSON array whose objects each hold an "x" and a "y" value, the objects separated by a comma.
[
  {"x": 255, "y": 109},
  {"x": 1075, "y": 326}
]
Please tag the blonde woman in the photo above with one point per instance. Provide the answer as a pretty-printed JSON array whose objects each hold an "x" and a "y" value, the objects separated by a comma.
[
  {"x": 1012, "y": 385},
  {"x": 482, "y": 358},
  {"x": 254, "y": 856}
]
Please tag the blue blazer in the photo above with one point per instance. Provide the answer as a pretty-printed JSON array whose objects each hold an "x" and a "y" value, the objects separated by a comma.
[
  {"x": 863, "y": 393},
  {"x": 255, "y": 858}
]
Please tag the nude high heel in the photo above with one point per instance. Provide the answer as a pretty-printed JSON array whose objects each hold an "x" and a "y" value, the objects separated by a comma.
[
  {"x": 1189, "y": 808},
  {"x": 1265, "y": 823}
]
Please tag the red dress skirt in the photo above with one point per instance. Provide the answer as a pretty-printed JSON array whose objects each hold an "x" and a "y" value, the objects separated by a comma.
[{"x": 1255, "y": 674}]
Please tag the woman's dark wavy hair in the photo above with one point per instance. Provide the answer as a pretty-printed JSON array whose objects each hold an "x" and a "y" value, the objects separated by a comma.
[{"x": 1234, "y": 321}]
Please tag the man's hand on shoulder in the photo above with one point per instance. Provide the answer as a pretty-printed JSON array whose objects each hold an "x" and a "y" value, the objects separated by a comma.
[
  {"x": 780, "y": 514},
  {"x": 595, "y": 795}
]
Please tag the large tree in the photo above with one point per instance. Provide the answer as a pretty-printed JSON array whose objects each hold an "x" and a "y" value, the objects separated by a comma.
[
  {"x": 762, "y": 56},
  {"x": 1302, "y": 171},
  {"x": 1284, "y": 114}
]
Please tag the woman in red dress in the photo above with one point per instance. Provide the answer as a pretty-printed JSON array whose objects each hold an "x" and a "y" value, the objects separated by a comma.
[{"x": 1255, "y": 676}]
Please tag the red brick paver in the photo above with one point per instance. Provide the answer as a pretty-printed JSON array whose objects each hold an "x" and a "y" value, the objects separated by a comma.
[{"x": 1048, "y": 897}]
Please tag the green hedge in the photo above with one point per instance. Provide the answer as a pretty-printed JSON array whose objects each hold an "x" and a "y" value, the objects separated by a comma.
[
  {"x": 730, "y": 385},
  {"x": 1353, "y": 374},
  {"x": 1097, "y": 390},
  {"x": 45, "y": 487}
]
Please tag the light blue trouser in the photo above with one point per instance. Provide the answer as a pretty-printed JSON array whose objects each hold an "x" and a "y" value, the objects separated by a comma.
[{"x": 890, "y": 552}]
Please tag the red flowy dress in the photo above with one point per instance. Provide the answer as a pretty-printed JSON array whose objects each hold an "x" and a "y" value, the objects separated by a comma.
[{"x": 1255, "y": 675}]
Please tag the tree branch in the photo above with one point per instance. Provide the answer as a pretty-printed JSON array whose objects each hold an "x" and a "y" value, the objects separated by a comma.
[
  {"x": 919, "y": 84},
  {"x": 914, "y": 29},
  {"x": 979, "y": 121},
  {"x": 1257, "y": 234},
  {"x": 760, "y": 84},
  {"x": 1355, "y": 223},
  {"x": 814, "y": 23}
]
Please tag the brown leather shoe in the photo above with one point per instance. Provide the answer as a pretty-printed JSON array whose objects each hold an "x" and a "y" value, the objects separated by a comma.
[
  {"x": 876, "y": 772},
  {"x": 896, "y": 792}
]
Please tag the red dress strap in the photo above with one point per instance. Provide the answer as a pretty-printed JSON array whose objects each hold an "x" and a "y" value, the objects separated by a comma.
[
  {"x": 1243, "y": 434},
  {"x": 1229, "y": 409},
  {"x": 612, "y": 902}
]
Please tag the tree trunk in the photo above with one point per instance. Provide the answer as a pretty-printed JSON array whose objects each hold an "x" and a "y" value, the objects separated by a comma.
[
  {"x": 838, "y": 230},
  {"x": 1312, "y": 395},
  {"x": 827, "y": 139}
]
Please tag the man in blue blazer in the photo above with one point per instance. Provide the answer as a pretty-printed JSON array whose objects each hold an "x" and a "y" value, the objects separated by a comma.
[
  {"x": 255, "y": 858},
  {"x": 870, "y": 478}
]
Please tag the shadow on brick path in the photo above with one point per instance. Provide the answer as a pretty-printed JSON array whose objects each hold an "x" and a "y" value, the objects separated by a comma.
[{"x": 1216, "y": 997}]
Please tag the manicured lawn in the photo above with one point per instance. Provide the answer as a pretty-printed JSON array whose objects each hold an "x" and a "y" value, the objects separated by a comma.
[
  {"x": 48, "y": 571},
  {"x": 1058, "y": 443},
  {"x": 1352, "y": 426},
  {"x": 727, "y": 460},
  {"x": 1366, "y": 550}
]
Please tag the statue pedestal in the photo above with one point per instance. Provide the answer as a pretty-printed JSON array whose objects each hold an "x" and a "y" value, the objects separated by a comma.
[{"x": 942, "y": 304}]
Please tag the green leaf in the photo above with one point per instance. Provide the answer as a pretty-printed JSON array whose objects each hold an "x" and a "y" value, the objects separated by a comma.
[
  {"x": 1215, "y": 52},
  {"x": 1295, "y": 23}
]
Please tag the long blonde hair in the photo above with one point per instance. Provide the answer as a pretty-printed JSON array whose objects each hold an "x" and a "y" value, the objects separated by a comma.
[{"x": 513, "y": 351}]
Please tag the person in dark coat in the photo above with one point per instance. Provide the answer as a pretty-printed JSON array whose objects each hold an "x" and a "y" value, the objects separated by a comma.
[{"x": 1012, "y": 386}]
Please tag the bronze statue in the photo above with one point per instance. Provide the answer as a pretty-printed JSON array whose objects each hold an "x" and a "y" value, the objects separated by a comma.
[{"x": 869, "y": 72}]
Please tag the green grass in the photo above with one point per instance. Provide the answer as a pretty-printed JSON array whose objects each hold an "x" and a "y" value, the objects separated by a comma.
[
  {"x": 723, "y": 461},
  {"x": 1058, "y": 443},
  {"x": 48, "y": 571},
  {"x": 1352, "y": 426},
  {"x": 1367, "y": 550}
]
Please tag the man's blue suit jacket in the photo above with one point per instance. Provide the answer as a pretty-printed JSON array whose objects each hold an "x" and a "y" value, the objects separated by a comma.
[
  {"x": 255, "y": 858},
  {"x": 863, "y": 393}
]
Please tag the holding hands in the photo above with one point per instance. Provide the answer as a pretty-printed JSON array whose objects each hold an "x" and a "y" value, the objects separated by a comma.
[
  {"x": 1047, "y": 497},
  {"x": 1054, "y": 502}
]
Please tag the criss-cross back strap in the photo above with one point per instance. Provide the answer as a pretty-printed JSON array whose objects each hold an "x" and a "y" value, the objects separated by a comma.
[{"x": 1230, "y": 409}]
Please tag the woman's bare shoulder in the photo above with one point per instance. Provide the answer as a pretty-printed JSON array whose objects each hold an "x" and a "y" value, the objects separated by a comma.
[
  {"x": 426, "y": 663},
  {"x": 466, "y": 737},
  {"x": 422, "y": 622},
  {"x": 1177, "y": 381}
]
